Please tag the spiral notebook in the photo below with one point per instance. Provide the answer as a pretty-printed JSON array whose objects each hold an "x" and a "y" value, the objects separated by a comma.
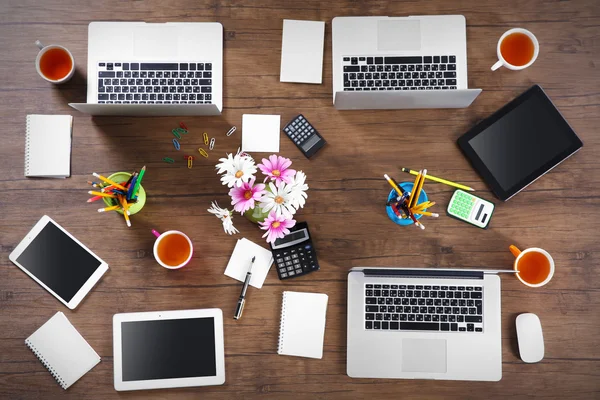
[
  {"x": 62, "y": 350},
  {"x": 302, "y": 327},
  {"x": 48, "y": 146}
]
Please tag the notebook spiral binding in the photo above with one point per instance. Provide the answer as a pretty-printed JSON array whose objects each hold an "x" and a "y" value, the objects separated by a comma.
[
  {"x": 60, "y": 381},
  {"x": 281, "y": 326},
  {"x": 27, "y": 147}
]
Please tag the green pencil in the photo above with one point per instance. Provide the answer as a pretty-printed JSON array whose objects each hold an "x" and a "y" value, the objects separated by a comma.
[{"x": 139, "y": 181}]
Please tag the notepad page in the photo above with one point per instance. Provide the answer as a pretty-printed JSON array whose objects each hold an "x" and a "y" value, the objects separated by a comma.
[
  {"x": 302, "y": 328},
  {"x": 48, "y": 146},
  {"x": 61, "y": 348}
]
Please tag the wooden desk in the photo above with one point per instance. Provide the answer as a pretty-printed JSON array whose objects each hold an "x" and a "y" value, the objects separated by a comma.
[{"x": 344, "y": 207}]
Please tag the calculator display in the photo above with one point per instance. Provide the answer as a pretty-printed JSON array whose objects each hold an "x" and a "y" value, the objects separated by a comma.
[
  {"x": 310, "y": 142},
  {"x": 295, "y": 236}
]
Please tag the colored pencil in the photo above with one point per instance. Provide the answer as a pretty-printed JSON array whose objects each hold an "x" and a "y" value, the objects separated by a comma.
[
  {"x": 139, "y": 181},
  {"x": 414, "y": 189},
  {"x": 111, "y": 208},
  {"x": 101, "y": 194},
  {"x": 440, "y": 180},
  {"x": 129, "y": 191},
  {"x": 95, "y": 198},
  {"x": 105, "y": 179},
  {"x": 125, "y": 214},
  {"x": 95, "y": 184},
  {"x": 394, "y": 185}
]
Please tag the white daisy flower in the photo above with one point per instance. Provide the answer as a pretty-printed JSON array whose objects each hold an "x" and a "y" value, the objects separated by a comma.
[
  {"x": 225, "y": 216},
  {"x": 299, "y": 188},
  {"x": 279, "y": 198},
  {"x": 236, "y": 169}
]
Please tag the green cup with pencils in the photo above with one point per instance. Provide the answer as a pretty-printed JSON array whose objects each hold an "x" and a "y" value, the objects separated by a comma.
[{"x": 121, "y": 192}]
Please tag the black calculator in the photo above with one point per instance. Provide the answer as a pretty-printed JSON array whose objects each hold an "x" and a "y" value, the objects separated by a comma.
[
  {"x": 304, "y": 135},
  {"x": 294, "y": 254}
]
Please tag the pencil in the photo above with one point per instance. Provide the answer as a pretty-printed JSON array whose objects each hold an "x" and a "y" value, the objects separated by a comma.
[
  {"x": 417, "y": 189},
  {"x": 440, "y": 180},
  {"x": 427, "y": 213},
  {"x": 101, "y": 194},
  {"x": 422, "y": 206},
  {"x": 394, "y": 185},
  {"x": 125, "y": 213},
  {"x": 105, "y": 179},
  {"x": 131, "y": 186},
  {"x": 139, "y": 181},
  {"x": 96, "y": 198},
  {"x": 414, "y": 189},
  {"x": 111, "y": 208},
  {"x": 95, "y": 184}
]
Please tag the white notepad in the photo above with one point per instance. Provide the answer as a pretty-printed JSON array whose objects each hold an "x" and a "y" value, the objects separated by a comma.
[
  {"x": 302, "y": 327},
  {"x": 48, "y": 146},
  {"x": 302, "y": 51},
  {"x": 62, "y": 350},
  {"x": 260, "y": 133},
  {"x": 240, "y": 260}
]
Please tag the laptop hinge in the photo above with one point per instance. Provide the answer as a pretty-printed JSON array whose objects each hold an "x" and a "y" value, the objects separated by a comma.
[{"x": 421, "y": 273}]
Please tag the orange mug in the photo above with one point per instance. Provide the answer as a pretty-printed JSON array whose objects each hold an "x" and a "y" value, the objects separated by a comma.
[{"x": 535, "y": 266}]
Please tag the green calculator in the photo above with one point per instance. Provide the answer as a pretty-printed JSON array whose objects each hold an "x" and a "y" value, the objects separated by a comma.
[{"x": 471, "y": 209}]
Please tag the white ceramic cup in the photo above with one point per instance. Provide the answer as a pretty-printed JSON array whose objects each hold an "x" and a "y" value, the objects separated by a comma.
[
  {"x": 519, "y": 254},
  {"x": 503, "y": 63},
  {"x": 160, "y": 237},
  {"x": 43, "y": 50}
]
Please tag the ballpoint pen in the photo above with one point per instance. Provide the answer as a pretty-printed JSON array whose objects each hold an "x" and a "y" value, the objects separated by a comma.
[{"x": 242, "y": 300}]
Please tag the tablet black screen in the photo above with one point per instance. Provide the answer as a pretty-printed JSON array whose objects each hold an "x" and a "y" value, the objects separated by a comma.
[
  {"x": 518, "y": 144},
  {"x": 165, "y": 349},
  {"x": 58, "y": 261}
]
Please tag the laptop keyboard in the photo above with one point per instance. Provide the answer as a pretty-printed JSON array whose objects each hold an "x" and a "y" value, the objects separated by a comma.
[
  {"x": 424, "y": 308},
  {"x": 399, "y": 73},
  {"x": 154, "y": 83}
]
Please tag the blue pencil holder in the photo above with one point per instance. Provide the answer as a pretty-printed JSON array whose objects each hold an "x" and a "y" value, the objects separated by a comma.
[{"x": 408, "y": 186}]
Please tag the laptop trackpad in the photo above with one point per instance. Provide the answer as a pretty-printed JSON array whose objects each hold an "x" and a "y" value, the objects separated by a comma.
[
  {"x": 424, "y": 355},
  {"x": 399, "y": 35},
  {"x": 155, "y": 43}
]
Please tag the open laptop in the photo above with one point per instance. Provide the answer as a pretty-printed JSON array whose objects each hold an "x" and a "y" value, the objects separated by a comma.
[
  {"x": 424, "y": 324},
  {"x": 400, "y": 62},
  {"x": 154, "y": 69}
]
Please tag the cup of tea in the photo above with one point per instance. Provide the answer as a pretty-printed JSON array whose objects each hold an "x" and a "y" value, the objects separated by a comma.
[
  {"x": 535, "y": 266},
  {"x": 54, "y": 63},
  {"x": 517, "y": 49},
  {"x": 172, "y": 249}
]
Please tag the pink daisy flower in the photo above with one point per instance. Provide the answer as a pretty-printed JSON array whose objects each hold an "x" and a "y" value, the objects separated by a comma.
[
  {"x": 277, "y": 168},
  {"x": 276, "y": 226},
  {"x": 243, "y": 197}
]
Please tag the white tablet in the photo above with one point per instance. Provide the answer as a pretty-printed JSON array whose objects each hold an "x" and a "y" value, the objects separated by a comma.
[
  {"x": 168, "y": 349},
  {"x": 61, "y": 264}
]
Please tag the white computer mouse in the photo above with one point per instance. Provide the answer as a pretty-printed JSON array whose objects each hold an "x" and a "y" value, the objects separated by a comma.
[{"x": 530, "y": 338}]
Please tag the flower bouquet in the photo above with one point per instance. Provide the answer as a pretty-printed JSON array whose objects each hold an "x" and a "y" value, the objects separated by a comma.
[{"x": 272, "y": 204}]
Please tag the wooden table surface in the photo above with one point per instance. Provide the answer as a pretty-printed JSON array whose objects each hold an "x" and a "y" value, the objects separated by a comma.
[{"x": 344, "y": 208}]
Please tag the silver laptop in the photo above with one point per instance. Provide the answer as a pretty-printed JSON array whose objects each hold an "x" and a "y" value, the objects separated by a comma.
[
  {"x": 154, "y": 69},
  {"x": 400, "y": 62},
  {"x": 424, "y": 324}
]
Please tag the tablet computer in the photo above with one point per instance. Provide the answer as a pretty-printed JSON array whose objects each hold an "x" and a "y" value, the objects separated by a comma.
[
  {"x": 168, "y": 349},
  {"x": 519, "y": 143},
  {"x": 57, "y": 261}
]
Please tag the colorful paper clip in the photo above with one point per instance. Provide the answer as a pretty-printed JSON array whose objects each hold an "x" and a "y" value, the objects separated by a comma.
[
  {"x": 205, "y": 135},
  {"x": 168, "y": 160},
  {"x": 185, "y": 157},
  {"x": 212, "y": 144},
  {"x": 176, "y": 133},
  {"x": 181, "y": 130},
  {"x": 202, "y": 152},
  {"x": 190, "y": 162},
  {"x": 230, "y": 132},
  {"x": 183, "y": 126},
  {"x": 176, "y": 144}
]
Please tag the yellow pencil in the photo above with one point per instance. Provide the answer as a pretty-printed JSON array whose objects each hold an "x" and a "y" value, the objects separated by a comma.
[
  {"x": 427, "y": 213},
  {"x": 105, "y": 179},
  {"x": 414, "y": 189},
  {"x": 423, "y": 206},
  {"x": 111, "y": 208},
  {"x": 419, "y": 188},
  {"x": 440, "y": 180},
  {"x": 125, "y": 213},
  {"x": 101, "y": 194}
]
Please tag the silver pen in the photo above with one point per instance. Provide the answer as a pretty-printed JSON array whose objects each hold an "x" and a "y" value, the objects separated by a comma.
[{"x": 242, "y": 300}]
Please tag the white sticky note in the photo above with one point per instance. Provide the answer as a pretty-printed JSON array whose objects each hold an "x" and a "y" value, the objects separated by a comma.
[
  {"x": 302, "y": 51},
  {"x": 260, "y": 133},
  {"x": 238, "y": 265}
]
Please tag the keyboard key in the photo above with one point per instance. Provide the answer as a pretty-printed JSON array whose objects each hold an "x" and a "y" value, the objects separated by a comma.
[
  {"x": 376, "y": 325},
  {"x": 385, "y": 325},
  {"x": 102, "y": 96},
  {"x": 478, "y": 329},
  {"x": 470, "y": 327},
  {"x": 402, "y": 60},
  {"x": 445, "y": 327},
  {"x": 476, "y": 295},
  {"x": 106, "y": 74},
  {"x": 473, "y": 318},
  {"x": 368, "y": 324},
  {"x": 419, "y": 326},
  {"x": 394, "y": 325}
]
